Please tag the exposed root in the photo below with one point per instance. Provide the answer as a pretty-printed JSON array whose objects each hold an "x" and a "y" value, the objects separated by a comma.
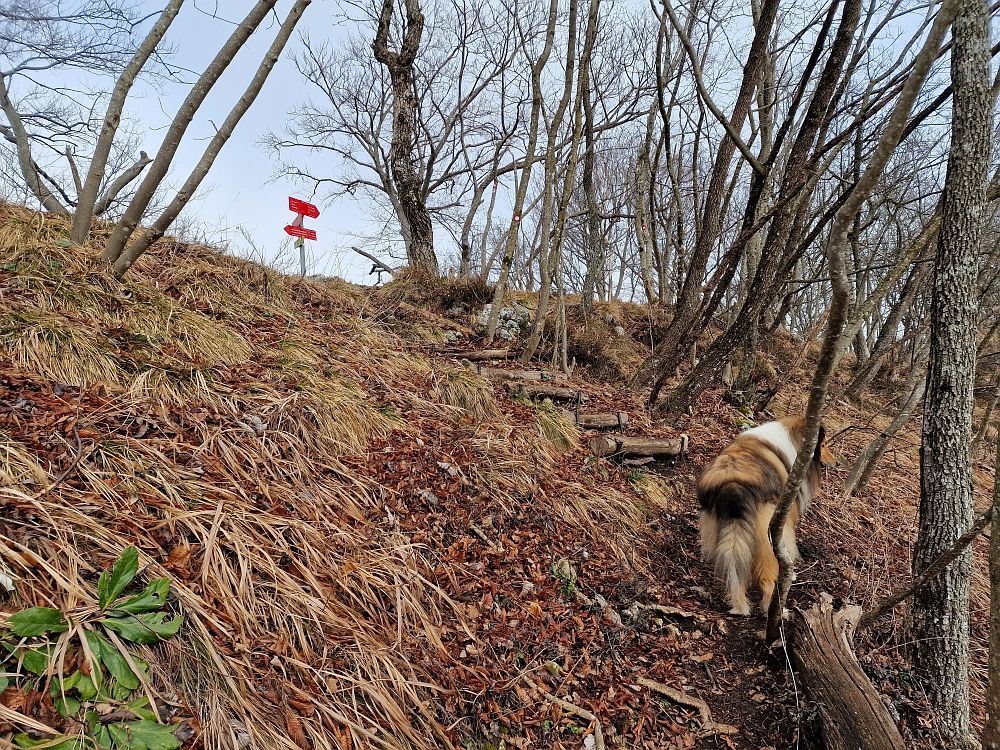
[{"x": 708, "y": 727}]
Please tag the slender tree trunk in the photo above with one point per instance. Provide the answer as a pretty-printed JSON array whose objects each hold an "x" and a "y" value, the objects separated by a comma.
[
  {"x": 147, "y": 237},
  {"x": 671, "y": 348},
  {"x": 939, "y": 613},
  {"x": 513, "y": 231},
  {"x": 22, "y": 144},
  {"x": 593, "y": 245},
  {"x": 549, "y": 252},
  {"x": 115, "y": 245},
  {"x": 87, "y": 201},
  {"x": 991, "y": 729},
  {"x": 409, "y": 187},
  {"x": 645, "y": 226},
  {"x": 781, "y": 230}
]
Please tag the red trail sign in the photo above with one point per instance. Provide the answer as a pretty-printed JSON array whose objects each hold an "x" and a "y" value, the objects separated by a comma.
[
  {"x": 309, "y": 234},
  {"x": 301, "y": 207}
]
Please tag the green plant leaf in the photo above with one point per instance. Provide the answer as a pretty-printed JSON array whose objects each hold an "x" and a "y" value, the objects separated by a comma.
[
  {"x": 36, "y": 660},
  {"x": 150, "y": 600},
  {"x": 70, "y": 743},
  {"x": 85, "y": 687},
  {"x": 57, "y": 687},
  {"x": 144, "y": 629},
  {"x": 4, "y": 682},
  {"x": 111, "y": 585},
  {"x": 38, "y": 621},
  {"x": 144, "y": 735},
  {"x": 117, "y": 665},
  {"x": 66, "y": 705}
]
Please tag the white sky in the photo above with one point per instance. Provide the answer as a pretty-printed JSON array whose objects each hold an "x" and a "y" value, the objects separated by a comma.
[{"x": 238, "y": 190}]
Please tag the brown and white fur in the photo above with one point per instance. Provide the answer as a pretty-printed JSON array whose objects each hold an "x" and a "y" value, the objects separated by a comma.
[{"x": 738, "y": 493}]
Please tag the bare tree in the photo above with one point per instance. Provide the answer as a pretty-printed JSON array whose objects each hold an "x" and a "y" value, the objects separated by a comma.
[
  {"x": 47, "y": 36},
  {"x": 148, "y": 236},
  {"x": 115, "y": 252},
  {"x": 939, "y": 613},
  {"x": 420, "y": 244}
]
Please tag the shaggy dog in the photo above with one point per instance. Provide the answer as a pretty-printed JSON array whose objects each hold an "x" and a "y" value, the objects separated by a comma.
[{"x": 738, "y": 493}]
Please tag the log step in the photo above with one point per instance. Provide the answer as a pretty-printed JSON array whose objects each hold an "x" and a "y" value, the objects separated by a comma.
[
  {"x": 479, "y": 356},
  {"x": 495, "y": 372},
  {"x": 542, "y": 390},
  {"x": 637, "y": 448},
  {"x": 611, "y": 421}
]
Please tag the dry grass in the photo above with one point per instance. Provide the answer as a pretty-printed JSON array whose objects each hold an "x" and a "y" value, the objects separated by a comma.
[{"x": 231, "y": 398}]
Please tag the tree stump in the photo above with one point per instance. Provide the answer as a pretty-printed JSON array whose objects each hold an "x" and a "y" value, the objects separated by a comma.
[{"x": 851, "y": 711}]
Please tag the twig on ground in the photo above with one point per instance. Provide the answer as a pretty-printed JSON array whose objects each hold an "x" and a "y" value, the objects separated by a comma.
[
  {"x": 708, "y": 727},
  {"x": 575, "y": 710},
  {"x": 482, "y": 535},
  {"x": 69, "y": 469}
]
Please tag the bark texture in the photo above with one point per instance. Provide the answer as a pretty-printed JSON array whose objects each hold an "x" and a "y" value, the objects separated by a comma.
[
  {"x": 991, "y": 729},
  {"x": 420, "y": 243},
  {"x": 939, "y": 613}
]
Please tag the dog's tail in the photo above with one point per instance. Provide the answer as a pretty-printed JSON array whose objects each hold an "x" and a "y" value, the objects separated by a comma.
[{"x": 728, "y": 539}]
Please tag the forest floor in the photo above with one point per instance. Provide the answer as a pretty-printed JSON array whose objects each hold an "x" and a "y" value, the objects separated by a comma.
[{"x": 374, "y": 547}]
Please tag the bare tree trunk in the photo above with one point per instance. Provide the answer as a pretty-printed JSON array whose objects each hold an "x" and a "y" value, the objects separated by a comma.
[
  {"x": 593, "y": 244},
  {"x": 645, "y": 226},
  {"x": 549, "y": 252},
  {"x": 887, "y": 335},
  {"x": 939, "y": 613},
  {"x": 420, "y": 248},
  {"x": 675, "y": 342},
  {"x": 832, "y": 349},
  {"x": 115, "y": 245},
  {"x": 29, "y": 169},
  {"x": 513, "y": 231},
  {"x": 87, "y": 200},
  {"x": 148, "y": 236},
  {"x": 795, "y": 180},
  {"x": 991, "y": 729}
]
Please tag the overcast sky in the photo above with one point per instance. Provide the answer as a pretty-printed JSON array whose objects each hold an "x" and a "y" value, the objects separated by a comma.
[{"x": 239, "y": 191}]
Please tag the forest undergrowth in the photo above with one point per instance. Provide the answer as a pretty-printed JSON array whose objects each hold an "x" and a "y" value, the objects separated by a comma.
[{"x": 372, "y": 546}]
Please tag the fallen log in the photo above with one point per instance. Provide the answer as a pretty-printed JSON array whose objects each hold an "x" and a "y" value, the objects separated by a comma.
[
  {"x": 606, "y": 445},
  {"x": 495, "y": 372},
  {"x": 479, "y": 356},
  {"x": 851, "y": 713},
  {"x": 597, "y": 421},
  {"x": 555, "y": 392}
]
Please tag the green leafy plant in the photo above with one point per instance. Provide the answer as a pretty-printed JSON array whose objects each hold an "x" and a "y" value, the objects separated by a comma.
[{"x": 81, "y": 657}]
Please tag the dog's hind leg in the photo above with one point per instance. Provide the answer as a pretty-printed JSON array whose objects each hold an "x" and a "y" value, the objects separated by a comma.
[
  {"x": 708, "y": 528},
  {"x": 766, "y": 567}
]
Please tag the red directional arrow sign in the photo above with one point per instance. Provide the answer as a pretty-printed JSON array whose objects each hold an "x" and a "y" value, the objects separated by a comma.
[
  {"x": 309, "y": 234},
  {"x": 301, "y": 207}
]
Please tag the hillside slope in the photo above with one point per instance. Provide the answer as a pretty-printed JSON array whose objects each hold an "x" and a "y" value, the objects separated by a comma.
[{"x": 370, "y": 545}]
